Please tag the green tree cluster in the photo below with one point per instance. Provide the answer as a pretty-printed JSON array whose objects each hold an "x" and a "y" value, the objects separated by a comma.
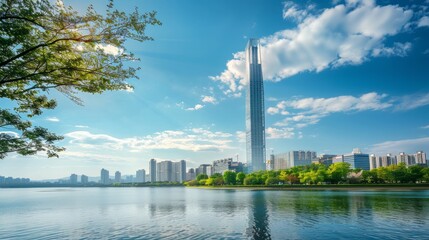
[
  {"x": 47, "y": 46},
  {"x": 337, "y": 173}
]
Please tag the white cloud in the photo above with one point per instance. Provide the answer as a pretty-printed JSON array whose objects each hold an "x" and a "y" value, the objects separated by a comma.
[
  {"x": 109, "y": 49},
  {"x": 272, "y": 110},
  {"x": 80, "y": 126},
  {"x": 52, "y": 119},
  {"x": 196, "y": 139},
  {"x": 406, "y": 145},
  {"x": 196, "y": 107},
  {"x": 313, "y": 109},
  {"x": 291, "y": 10},
  {"x": 423, "y": 22},
  {"x": 368, "y": 101},
  {"x": 209, "y": 99},
  {"x": 413, "y": 101},
  {"x": 398, "y": 49},
  {"x": 426, "y": 127},
  {"x": 241, "y": 136},
  {"x": 345, "y": 34},
  {"x": 276, "y": 133}
]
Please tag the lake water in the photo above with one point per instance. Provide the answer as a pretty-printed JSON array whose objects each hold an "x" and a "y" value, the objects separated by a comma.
[{"x": 186, "y": 213}]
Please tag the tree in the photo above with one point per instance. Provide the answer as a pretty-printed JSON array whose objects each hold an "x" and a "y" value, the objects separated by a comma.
[
  {"x": 210, "y": 182},
  {"x": 240, "y": 178},
  {"x": 415, "y": 173},
  {"x": 47, "y": 46},
  {"x": 250, "y": 180},
  {"x": 202, "y": 176},
  {"x": 229, "y": 177},
  {"x": 272, "y": 181},
  {"x": 338, "y": 172}
]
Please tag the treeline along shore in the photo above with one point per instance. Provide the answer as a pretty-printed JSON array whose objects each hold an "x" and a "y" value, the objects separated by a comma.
[{"x": 319, "y": 176}]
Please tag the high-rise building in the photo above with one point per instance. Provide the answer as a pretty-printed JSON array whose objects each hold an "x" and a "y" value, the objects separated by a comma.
[
  {"x": 152, "y": 170},
  {"x": 140, "y": 176},
  {"x": 269, "y": 165},
  {"x": 372, "y": 161},
  {"x": 190, "y": 175},
  {"x": 104, "y": 176},
  {"x": 420, "y": 157},
  {"x": 204, "y": 169},
  {"x": 84, "y": 179},
  {"x": 179, "y": 171},
  {"x": 227, "y": 164},
  {"x": 293, "y": 159},
  {"x": 73, "y": 179},
  {"x": 255, "y": 117},
  {"x": 357, "y": 159},
  {"x": 164, "y": 171},
  {"x": 117, "y": 177},
  {"x": 325, "y": 159},
  {"x": 387, "y": 160}
]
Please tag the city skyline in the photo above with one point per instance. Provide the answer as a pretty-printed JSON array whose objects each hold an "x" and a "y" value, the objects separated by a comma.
[{"x": 349, "y": 83}]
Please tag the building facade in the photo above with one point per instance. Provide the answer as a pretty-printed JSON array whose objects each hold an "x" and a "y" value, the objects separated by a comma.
[
  {"x": 190, "y": 175},
  {"x": 420, "y": 158},
  {"x": 104, "y": 176},
  {"x": 293, "y": 159},
  {"x": 204, "y": 169},
  {"x": 118, "y": 177},
  {"x": 227, "y": 164},
  {"x": 357, "y": 159},
  {"x": 84, "y": 179},
  {"x": 73, "y": 179},
  {"x": 179, "y": 171},
  {"x": 140, "y": 176},
  {"x": 255, "y": 116},
  {"x": 152, "y": 170},
  {"x": 164, "y": 171}
]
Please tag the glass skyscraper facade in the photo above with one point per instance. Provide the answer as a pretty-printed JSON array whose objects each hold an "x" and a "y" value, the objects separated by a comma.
[{"x": 255, "y": 117}]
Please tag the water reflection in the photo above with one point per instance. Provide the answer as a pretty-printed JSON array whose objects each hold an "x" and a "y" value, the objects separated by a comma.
[
  {"x": 259, "y": 227},
  {"x": 181, "y": 213}
]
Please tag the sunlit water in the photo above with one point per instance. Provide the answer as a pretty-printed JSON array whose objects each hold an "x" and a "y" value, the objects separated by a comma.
[{"x": 184, "y": 213}]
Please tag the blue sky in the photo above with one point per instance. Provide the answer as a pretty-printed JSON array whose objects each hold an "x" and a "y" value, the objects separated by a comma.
[{"x": 338, "y": 75}]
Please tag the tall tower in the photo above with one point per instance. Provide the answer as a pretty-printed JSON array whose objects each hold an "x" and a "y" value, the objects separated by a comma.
[
  {"x": 152, "y": 170},
  {"x": 255, "y": 117}
]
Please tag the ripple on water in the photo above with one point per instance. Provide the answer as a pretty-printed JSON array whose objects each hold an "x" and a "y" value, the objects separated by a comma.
[{"x": 172, "y": 213}]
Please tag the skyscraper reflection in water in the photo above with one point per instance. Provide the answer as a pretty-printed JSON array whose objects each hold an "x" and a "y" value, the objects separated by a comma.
[{"x": 259, "y": 224}]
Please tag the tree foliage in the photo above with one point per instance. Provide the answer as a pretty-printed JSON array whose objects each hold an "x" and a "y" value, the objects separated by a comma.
[
  {"x": 46, "y": 46},
  {"x": 202, "y": 176},
  {"x": 338, "y": 173},
  {"x": 229, "y": 177}
]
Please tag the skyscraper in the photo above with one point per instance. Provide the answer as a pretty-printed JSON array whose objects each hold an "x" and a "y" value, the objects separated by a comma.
[
  {"x": 73, "y": 179},
  {"x": 104, "y": 176},
  {"x": 152, "y": 170},
  {"x": 255, "y": 117},
  {"x": 164, "y": 171},
  {"x": 84, "y": 179},
  {"x": 118, "y": 177},
  {"x": 140, "y": 176}
]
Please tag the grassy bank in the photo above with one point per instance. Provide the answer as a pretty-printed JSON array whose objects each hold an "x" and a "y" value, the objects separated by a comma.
[{"x": 340, "y": 187}]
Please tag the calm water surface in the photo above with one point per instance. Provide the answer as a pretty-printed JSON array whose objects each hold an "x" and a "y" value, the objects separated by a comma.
[{"x": 183, "y": 213}]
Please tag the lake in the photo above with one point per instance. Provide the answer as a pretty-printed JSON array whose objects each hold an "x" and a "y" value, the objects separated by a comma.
[{"x": 189, "y": 213}]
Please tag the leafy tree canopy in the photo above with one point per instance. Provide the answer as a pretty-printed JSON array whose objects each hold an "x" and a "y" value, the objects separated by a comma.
[{"x": 48, "y": 46}]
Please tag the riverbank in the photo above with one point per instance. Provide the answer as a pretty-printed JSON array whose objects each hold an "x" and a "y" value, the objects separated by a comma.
[{"x": 339, "y": 187}]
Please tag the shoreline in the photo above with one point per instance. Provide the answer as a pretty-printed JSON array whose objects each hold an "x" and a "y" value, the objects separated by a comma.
[{"x": 342, "y": 187}]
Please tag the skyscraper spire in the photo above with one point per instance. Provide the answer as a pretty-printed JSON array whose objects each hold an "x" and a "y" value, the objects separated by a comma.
[{"x": 255, "y": 117}]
